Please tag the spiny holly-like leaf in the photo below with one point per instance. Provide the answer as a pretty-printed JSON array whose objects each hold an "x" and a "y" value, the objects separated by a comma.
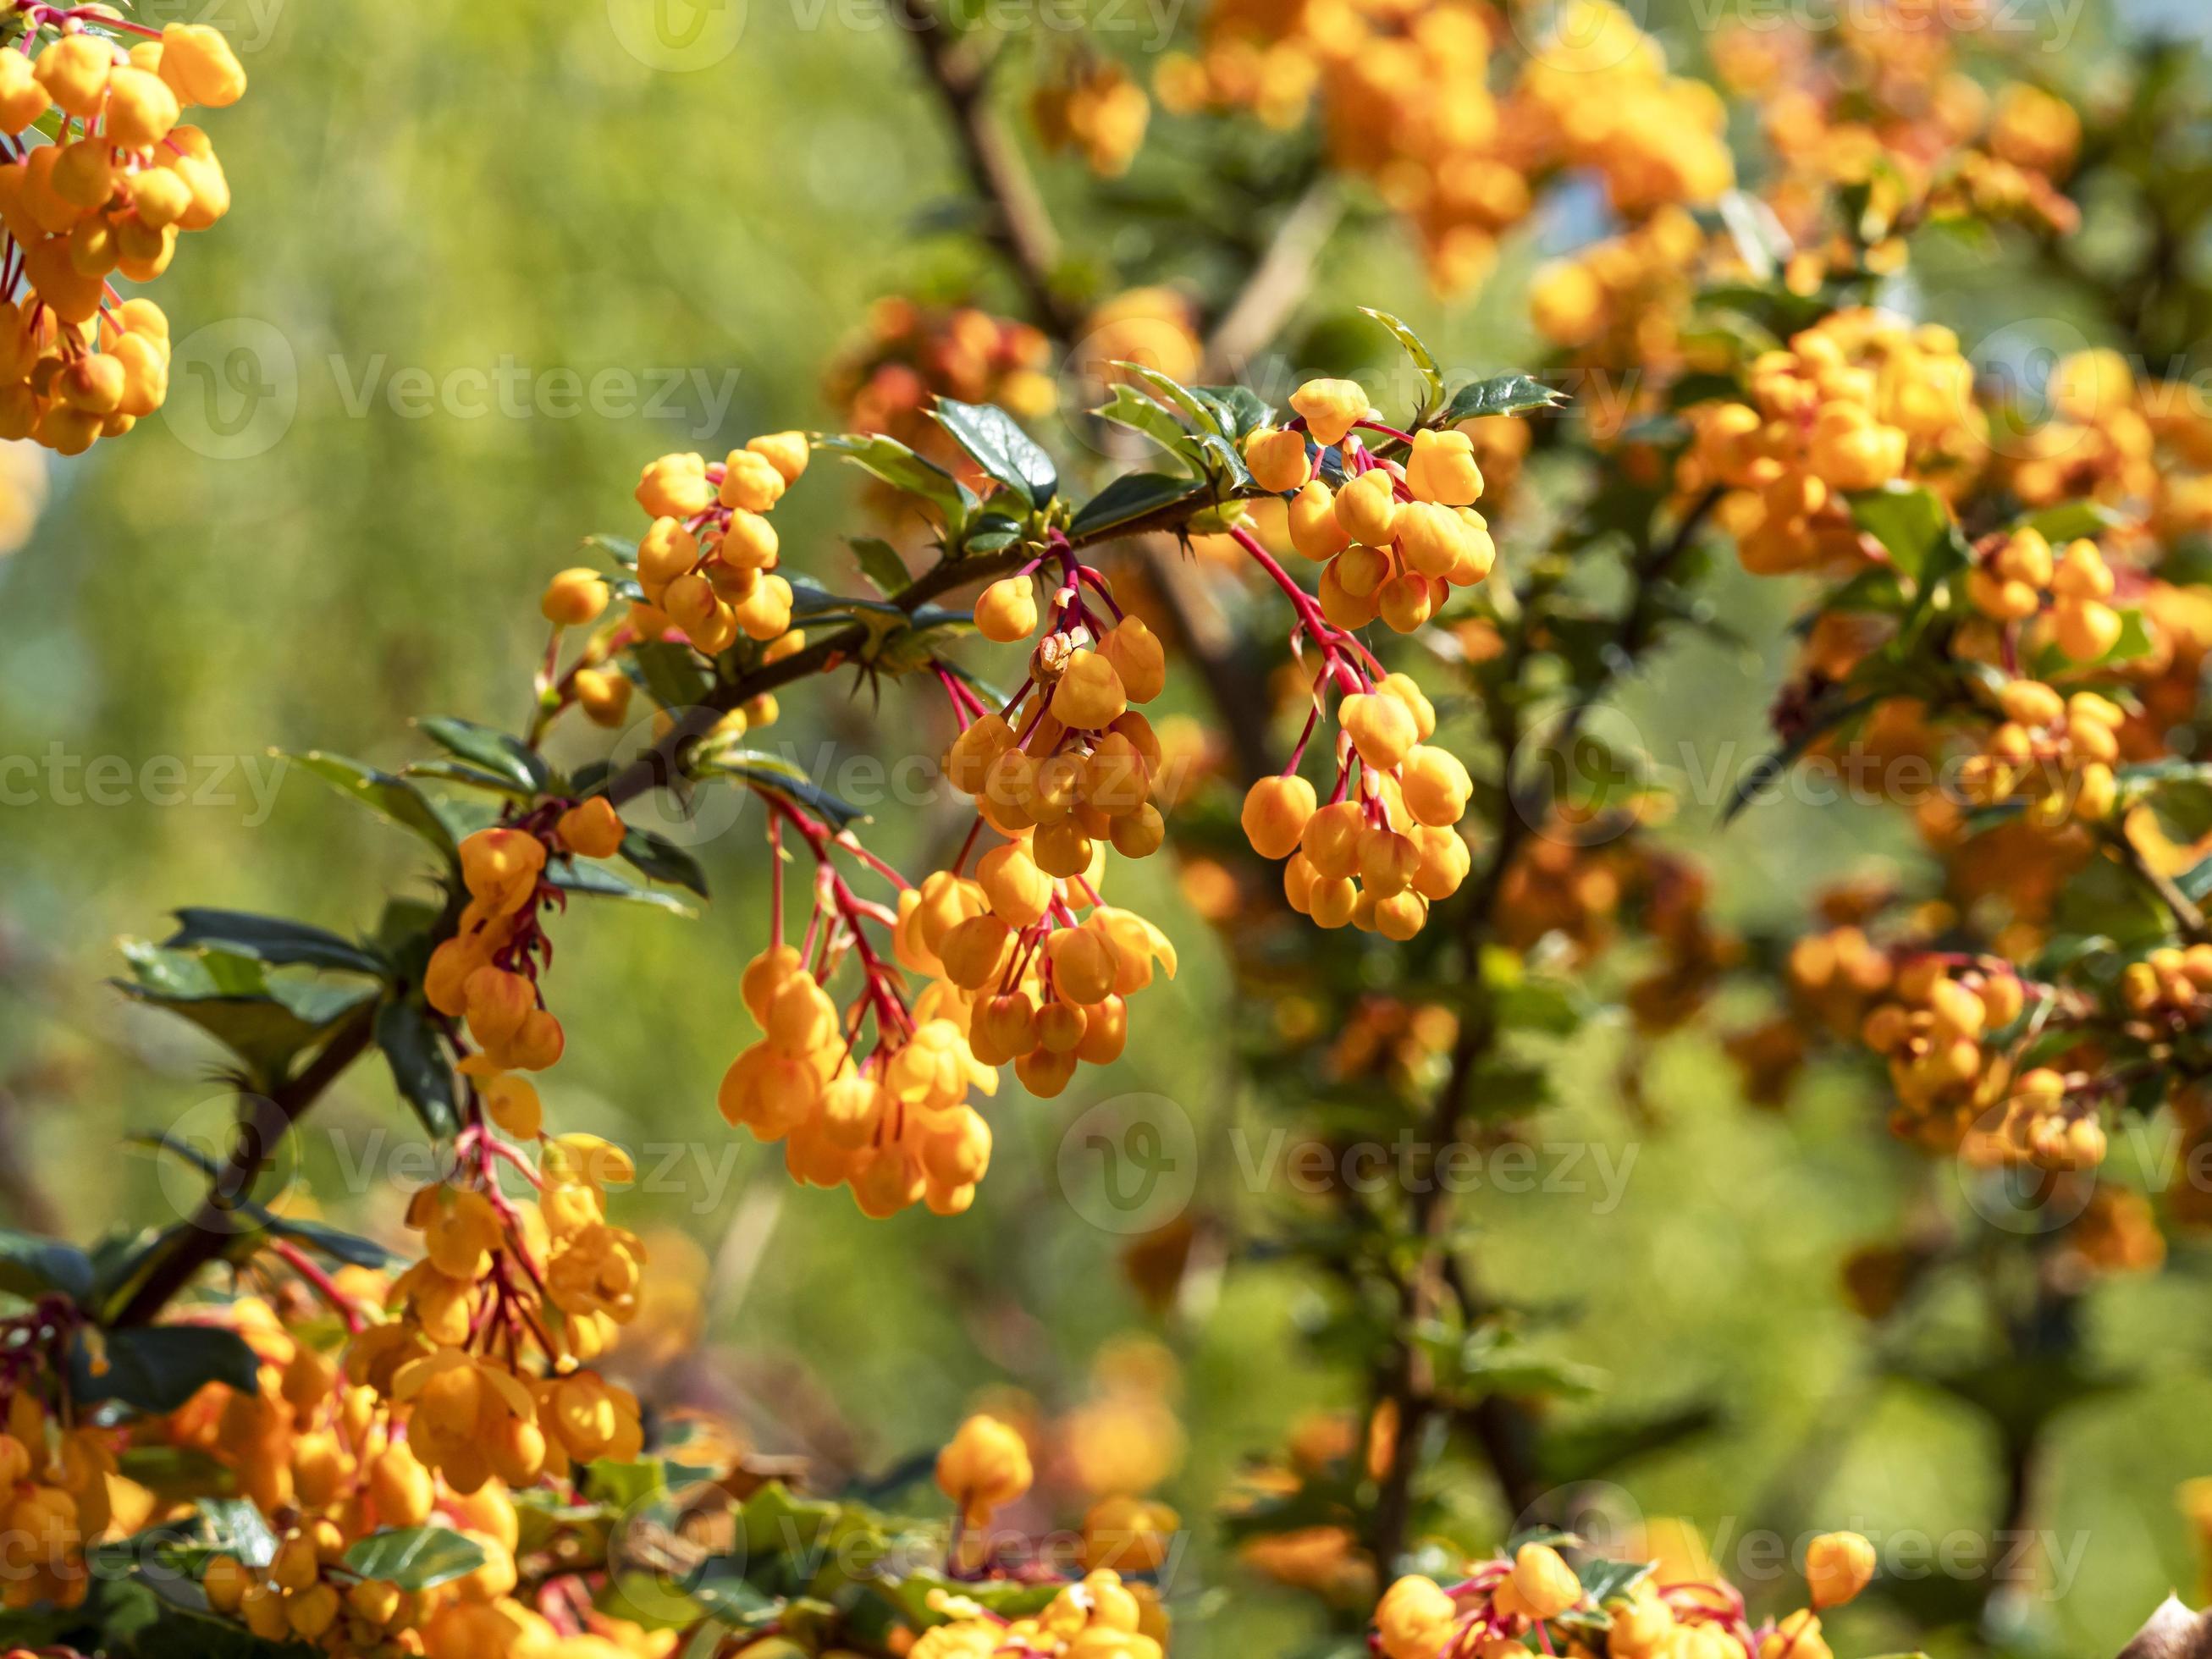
[
  {"x": 1243, "y": 411},
  {"x": 156, "y": 1368},
  {"x": 671, "y": 674},
  {"x": 662, "y": 859},
  {"x": 390, "y": 797},
  {"x": 1502, "y": 394},
  {"x": 1425, "y": 361},
  {"x": 898, "y": 466},
  {"x": 273, "y": 939},
  {"x": 415, "y": 1558},
  {"x": 266, "y": 1022},
  {"x": 2069, "y": 521},
  {"x": 1127, "y": 407},
  {"x": 597, "y": 881},
  {"x": 32, "y": 1266},
  {"x": 494, "y": 751},
  {"x": 1000, "y": 448},
  {"x": 880, "y": 563},
  {"x": 1131, "y": 496},
  {"x": 620, "y": 548},
  {"x": 420, "y": 1069}
]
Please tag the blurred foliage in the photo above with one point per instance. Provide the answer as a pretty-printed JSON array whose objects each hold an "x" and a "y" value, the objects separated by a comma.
[{"x": 501, "y": 189}]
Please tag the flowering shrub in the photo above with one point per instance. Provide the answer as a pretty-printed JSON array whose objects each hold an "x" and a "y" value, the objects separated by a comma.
[{"x": 261, "y": 1431}]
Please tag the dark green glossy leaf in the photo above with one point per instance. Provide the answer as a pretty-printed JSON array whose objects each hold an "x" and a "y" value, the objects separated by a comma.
[
  {"x": 661, "y": 858},
  {"x": 156, "y": 1368},
  {"x": 32, "y": 1266},
  {"x": 1131, "y": 497},
  {"x": 2069, "y": 521},
  {"x": 1425, "y": 361},
  {"x": 420, "y": 1068},
  {"x": 672, "y": 674},
  {"x": 266, "y": 1022},
  {"x": 1126, "y": 406},
  {"x": 889, "y": 459},
  {"x": 271, "y": 939},
  {"x": 597, "y": 881},
  {"x": 1502, "y": 394},
  {"x": 880, "y": 563},
  {"x": 1909, "y": 520},
  {"x": 495, "y": 752},
  {"x": 1243, "y": 411},
  {"x": 1000, "y": 448},
  {"x": 415, "y": 1558},
  {"x": 391, "y": 798}
]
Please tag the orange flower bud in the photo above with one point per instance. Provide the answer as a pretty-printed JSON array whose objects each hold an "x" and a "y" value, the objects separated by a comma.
[
  {"x": 1275, "y": 815},
  {"x": 1278, "y": 459},
  {"x": 591, "y": 827}
]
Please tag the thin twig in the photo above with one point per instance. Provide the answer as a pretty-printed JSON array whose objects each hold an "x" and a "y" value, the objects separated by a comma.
[{"x": 1020, "y": 226}]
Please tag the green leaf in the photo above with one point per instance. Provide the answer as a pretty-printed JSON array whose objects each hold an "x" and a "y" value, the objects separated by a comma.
[
  {"x": 1009, "y": 1598},
  {"x": 1000, "y": 448},
  {"x": 271, "y": 939},
  {"x": 1432, "y": 378},
  {"x": 32, "y": 1266},
  {"x": 1538, "y": 1006},
  {"x": 773, "y": 772},
  {"x": 494, "y": 751},
  {"x": 265, "y": 1022},
  {"x": 597, "y": 881},
  {"x": 1128, "y": 407},
  {"x": 156, "y": 1368},
  {"x": 622, "y": 550},
  {"x": 662, "y": 859},
  {"x": 1129, "y": 497},
  {"x": 898, "y": 466},
  {"x": 461, "y": 773},
  {"x": 672, "y": 674},
  {"x": 1908, "y": 520},
  {"x": 2069, "y": 521},
  {"x": 880, "y": 563},
  {"x": 1602, "y": 1580},
  {"x": 808, "y": 598},
  {"x": 415, "y": 1558},
  {"x": 1502, "y": 394},
  {"x": 1243, "y": 411},
  {"x": 1194, "y": 408},
  {"x": 173, "y": 1555},
  {"x": 1488, "y": 1360},
  {"x": 393, "y": 799},
  {"x": 420, "y": 1069}
]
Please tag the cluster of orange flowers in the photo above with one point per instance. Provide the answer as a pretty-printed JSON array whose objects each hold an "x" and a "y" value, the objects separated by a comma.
[
  {"x": 911, "y": 354},
  {"x": 1502, "y": 1604},
  {"x": 122, "y": 177},
  {"x": 1095, "y": 108},
  {"x": 1878, "y": 100},
  {"x": 1406, "y": 100},
  {"x": 1861, "y": 399}
]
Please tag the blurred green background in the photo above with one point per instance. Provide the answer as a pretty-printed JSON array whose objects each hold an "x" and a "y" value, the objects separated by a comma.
[{"x": 310, "y": 547}]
